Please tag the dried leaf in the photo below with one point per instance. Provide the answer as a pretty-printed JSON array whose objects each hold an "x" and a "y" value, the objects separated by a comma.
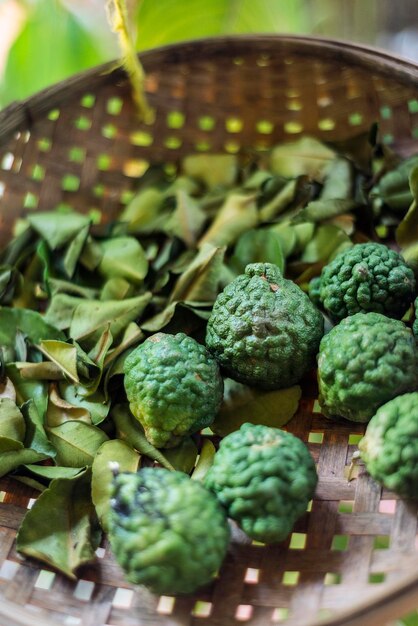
[
  {"x": 123, "y": 257},
  {"x": 60, "y": 411},
  {"x": 244, "y": 404},
  {"x": 305, "y": 157},
  {"x": 260, "y": 245},
  {"x": 12, "y": 424},
  {"x": 62, "y": 354},
  {"x": 205, "y": 461},
  {"x": 60, "y": 528},
  {"x": 214, "y": 170},
  {"x": 200, "y": 281},
  {"x": 235, "y": 217},
  {"x": 128, "y": 460},
  {"x": 76, "y": 443},
  {"x": 57, "y": 229}
]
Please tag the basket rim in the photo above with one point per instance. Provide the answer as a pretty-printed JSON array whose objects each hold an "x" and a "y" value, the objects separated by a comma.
[{"x": 21, "y": 114}]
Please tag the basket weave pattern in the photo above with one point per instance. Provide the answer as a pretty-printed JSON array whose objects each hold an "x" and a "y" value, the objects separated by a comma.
[{"x": 80, "y": 144}]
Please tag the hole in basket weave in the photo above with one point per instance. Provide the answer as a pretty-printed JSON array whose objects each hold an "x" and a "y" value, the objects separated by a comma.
[
  {"x": 233, "y": 125},
  {"x": 413, "y": 106},
  {"x": 2, "y": 188},
  {"x": 44, "y": 144},
  {"x": 243, "y": 612},
  {"x": 76, "y": 154},
  {"x": 88, "y": 100},
  {"x": 141, "y": 138},
  {"x": 54, "y": 114},
  {"x": 123, "y": 598},
  {"x": 346, "y": 506},
  {"x": 114, "y": 105},
  {"x": 7, "y": 161},
  {"x": 8, "y": 569},
  {"x": 82, "y": 123},
  {"x": 387, "y": 506},
  {"x": 252, "y": 575},
  {"x": 45, "y": 579},
  {"x": 175, "y": 119},
  {"x": 70, "y": 182},
  {"x": 206, "y": 122},
  {"x": 202, "y": 609},
  {"x": 332, "y": 578},
  {"x": 377, "y": 578},
  {"x": 109, "y": 131},
  {"x": 290, "y": 578},
  {"x": 84, "y": 590},
  {"x": 316, "y": 437},
  {"x": 30, "y": 201},
  {"x": 340, "y": 543},
  {"x": 326, "y": 124},
  {"x": 381, "y": 542},
  {"x": 279, "y": 615},
  {"x": 297, "y": 541},
  {"x": 165, "y": 605}
]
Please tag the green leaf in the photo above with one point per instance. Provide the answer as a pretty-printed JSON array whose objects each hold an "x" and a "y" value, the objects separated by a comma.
[
  {"x": 128, "y": 460},
  {"x": 200, "y": 281},
  {"x": 91, "y": 317},
  {"x": 95, "y": 403},
  {"x": 305, "y": 157},
  {"x": 276, "y": 205},
  {"x": 338, "y": 181},
  {"x": 61, "y": 310},
  {"x": 187, "y": 220},
  {"x": 76, "y": 443},
  {"x": 57, "y": 229},
  {"x": 13, "y": 455},
  {"x": 244, "y": 404},
  {"x": 48, "y": 26},
  {"x": 407, "y": 231},
  {"x": 205, "y": 462},
  {"x": 235, "y": 217},
  {"x": 62, "y": 354},
  {"x": 328, "y": 239},
  {"x": 144, "y": 213},
  {"x": 36, "y": 438},
  {"x": 183, "y": 456},
  {"x": 324, "y": 209},
  {"x": 57, "y": 285},
  {"x": 132, "y": 336},
  {"x": 12, "y": 424},
  {"x": 60, "y": 411},
  {"x": 257, "y": 246},
  {"x": 30, "y": 323},
  {"x": 60, "y": 529},
  {"x": 51, "y": 472},
  {"x": 130, "y": 430},
  {"x": 116, "y": 289},
  {"x": 214, "y": 170},
  {"x": 123, "y": 257},
  {"x": 74, "y": 250},
  {"x": 36, "y": 390},
  {"x": 45, "y": 370}
]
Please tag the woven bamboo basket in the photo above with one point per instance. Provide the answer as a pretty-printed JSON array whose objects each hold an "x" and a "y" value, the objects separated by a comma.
[{"x": 352, "y": 559}]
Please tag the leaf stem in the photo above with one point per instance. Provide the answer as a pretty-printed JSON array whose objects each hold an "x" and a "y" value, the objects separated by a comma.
[{"x": 117, "y": 15}]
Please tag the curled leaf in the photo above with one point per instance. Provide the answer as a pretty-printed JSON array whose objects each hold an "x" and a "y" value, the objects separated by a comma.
[{"x": 114, "y": 451}]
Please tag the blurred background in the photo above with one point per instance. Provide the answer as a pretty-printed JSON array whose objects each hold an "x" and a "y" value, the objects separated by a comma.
[{"x": 43, "y": 41}]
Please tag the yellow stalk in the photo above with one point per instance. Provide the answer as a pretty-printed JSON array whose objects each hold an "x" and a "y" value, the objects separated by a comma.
[{"x": 117, "y": 15}]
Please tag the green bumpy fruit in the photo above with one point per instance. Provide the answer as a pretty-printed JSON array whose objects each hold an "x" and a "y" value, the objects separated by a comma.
[
  {"x": 264, "y": 331},
  {"x": 389, "y": 448},
  {"x": 368, "y": 277},
  {"x": 174, "y": 387},
  {"x": 364, "y": 361},
  {"x": 166, "y": 531},
  {"x": 415, "y": 324},
  {"x": 265, "y": 478}
]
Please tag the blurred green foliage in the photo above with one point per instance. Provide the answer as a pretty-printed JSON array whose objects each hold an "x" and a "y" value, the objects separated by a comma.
[{"x": 59, "y": 38}]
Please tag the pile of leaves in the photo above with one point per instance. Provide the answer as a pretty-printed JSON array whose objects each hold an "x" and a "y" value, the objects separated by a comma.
[{"x": 77, "y": 296}]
